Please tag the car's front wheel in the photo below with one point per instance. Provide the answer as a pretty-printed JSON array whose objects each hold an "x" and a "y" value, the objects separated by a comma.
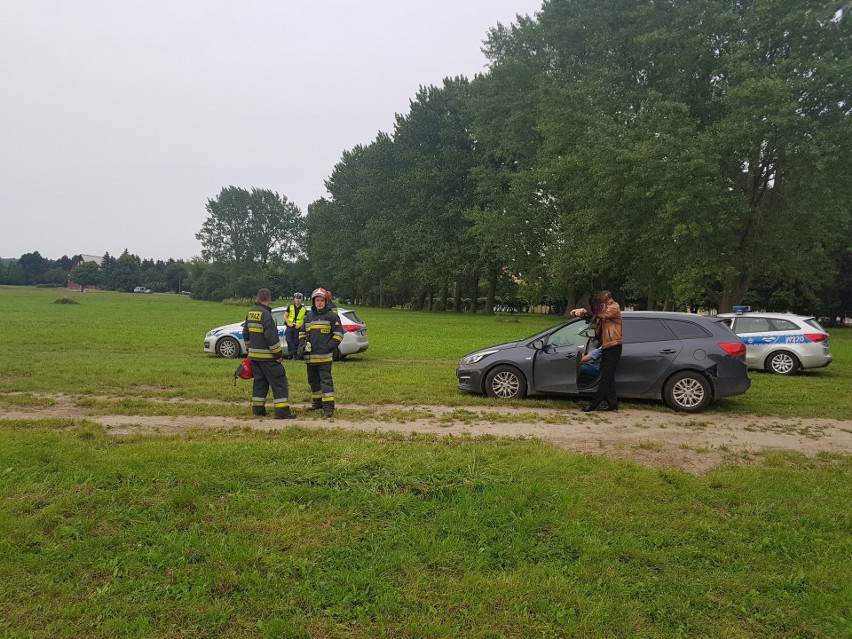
[
  {"x": 688, "y": 392},
  {"x": 782, "y": 363},
  {"x": 505, "y": 382},
  {"x": 228, "y": 347}
]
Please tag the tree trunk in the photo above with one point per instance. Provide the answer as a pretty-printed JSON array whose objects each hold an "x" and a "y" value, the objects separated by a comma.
[
  {"x": 734, "y": 292},
  {"x": 457, "y": 296},
  {"x": 492, "y": 292},
  {"x": 571, "y": 302},
  {"x": 473, "y": 299},
  {"x": 445, "y": 296}
]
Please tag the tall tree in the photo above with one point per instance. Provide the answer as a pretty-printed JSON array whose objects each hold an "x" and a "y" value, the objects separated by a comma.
[
  {"x": 251, "y": 228},
  {"x": 127, "y": 273},
  {"x": 33, "y": 266}
]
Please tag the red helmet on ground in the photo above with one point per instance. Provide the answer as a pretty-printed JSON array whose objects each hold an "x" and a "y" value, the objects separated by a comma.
[{"x": 321, "y": 292}]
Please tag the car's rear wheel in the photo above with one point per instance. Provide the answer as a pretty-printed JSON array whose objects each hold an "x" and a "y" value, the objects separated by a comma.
[
  {"x": 688, "y": 392},
  {"x": 505, "y": 382},
  {"x": 782, "y": 363},
  {"x": 228, "y": 347}
]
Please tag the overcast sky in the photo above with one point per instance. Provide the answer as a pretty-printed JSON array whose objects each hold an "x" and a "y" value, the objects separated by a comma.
[{"x": 120, "y": 118}]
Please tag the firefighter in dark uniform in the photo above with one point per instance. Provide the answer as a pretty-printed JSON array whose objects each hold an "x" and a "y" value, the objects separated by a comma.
[
  {"x": 320, "y": 335},
  {"x": 260, "y": 333}
]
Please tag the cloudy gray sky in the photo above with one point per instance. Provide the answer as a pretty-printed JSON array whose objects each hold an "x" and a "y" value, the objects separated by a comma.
[{"x": 119, "y": 118}]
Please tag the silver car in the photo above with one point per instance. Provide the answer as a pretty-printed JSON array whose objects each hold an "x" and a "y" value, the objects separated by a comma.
[
  {"x": 781, "y": 343},
  {"x": 227, "y": 341}
]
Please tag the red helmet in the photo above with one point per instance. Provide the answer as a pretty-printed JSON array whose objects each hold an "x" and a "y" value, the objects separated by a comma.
[{"x": 321, "y": 292}]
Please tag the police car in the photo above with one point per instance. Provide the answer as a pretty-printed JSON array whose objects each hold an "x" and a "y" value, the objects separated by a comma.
[
  {"x": 780, "y": 343},
  {"x": 227, "y": 341}
]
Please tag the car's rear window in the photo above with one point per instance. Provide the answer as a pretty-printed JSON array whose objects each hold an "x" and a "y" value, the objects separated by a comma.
[
  {"x": 784, "y": 325},
  {"x": 645, "y": 330},
  {"x": 352, "y": 316},
  {"x": 815, "y": 324},
  {"x": 687, "y": 330}
]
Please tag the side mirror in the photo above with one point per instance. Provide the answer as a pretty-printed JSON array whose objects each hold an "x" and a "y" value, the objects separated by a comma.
[
  {"x": 537, "y": 344},
  {"x": 589, "y": 331}
]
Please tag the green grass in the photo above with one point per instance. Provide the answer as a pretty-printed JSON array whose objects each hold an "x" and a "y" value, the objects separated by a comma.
[
  {"x": 301, "y": 533},
  {"x": 305, "y": 533},
  {"x": 149, "y": 347}
]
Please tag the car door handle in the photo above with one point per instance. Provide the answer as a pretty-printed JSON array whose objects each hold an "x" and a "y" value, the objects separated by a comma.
[
  {"x": 570, "y": 355},
  {"x": 668, "y": 351}
]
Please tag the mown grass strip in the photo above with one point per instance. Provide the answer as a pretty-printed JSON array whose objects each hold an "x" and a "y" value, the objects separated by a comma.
[{"x": 304, "y": 533}]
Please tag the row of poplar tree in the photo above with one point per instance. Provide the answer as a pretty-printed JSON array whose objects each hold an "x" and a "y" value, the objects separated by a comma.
[{"x": 680, "y": 152}]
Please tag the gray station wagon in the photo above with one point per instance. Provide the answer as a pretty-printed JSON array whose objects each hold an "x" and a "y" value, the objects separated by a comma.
[{"x": 686, "y": 360}]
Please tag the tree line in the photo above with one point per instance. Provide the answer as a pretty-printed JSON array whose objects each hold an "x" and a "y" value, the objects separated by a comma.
[
  {"x": 682, "y": 154},
  {"x": 689, "y": 153},
  {"x": 123, "y": 273}
]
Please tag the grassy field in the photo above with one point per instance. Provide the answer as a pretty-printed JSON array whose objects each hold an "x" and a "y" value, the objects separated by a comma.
[
  {"x": 149, "y": 347},
  {"x": 303, "y": 534}
]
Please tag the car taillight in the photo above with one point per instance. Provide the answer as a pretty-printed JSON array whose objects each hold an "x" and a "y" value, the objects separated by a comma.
[
  {"x": 816, "y": 337},
  {"x": 351, "y": 328},
  {"x": 737, "y": 349}
]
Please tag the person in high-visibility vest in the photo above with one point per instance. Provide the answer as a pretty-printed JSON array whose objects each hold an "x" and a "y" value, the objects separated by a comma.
[{"x": 294, "y": 318}]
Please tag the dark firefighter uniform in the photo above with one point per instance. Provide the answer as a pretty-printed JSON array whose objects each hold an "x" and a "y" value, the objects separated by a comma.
[
  {"x": 260, "y": 334},
  {"x": 321, "y": 334}
]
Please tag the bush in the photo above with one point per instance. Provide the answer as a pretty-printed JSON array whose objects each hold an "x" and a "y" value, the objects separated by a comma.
[{"x": 66, "y": 300}]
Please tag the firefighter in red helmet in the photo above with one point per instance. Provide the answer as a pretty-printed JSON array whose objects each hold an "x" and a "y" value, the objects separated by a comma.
[{"x": 321, "y": 333}]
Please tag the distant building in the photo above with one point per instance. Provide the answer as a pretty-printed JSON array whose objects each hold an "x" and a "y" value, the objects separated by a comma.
[{"x": 79, "y": 260}]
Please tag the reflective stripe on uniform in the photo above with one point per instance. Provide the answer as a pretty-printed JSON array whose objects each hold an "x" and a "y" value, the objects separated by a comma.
[{"x": 253, "y": 354}]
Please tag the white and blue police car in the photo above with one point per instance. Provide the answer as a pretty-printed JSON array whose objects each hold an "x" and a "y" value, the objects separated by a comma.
[
  {"x": 781, "y": 343},
  {"x": 227, "y": 341}
]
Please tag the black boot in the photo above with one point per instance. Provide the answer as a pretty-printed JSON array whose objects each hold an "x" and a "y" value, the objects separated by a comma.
[
  {"x": 588, "y": 408},
  {"x": 284, "y": 413},
  {"x": 315, "y": 405},
  {"x": 260, "y": 411},
  {"x": 327, "y": 410}
]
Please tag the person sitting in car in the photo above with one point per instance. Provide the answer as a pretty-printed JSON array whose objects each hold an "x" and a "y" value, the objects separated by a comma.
[{"x": 590, "y": 363}]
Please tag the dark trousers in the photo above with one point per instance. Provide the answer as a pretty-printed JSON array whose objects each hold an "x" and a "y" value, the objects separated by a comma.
[
  {"x": 606, "y": 385},
  {"x": 292, "y": 336},
  {"x": 322, "y": 386},
  {"x": 268, "y": 375}
]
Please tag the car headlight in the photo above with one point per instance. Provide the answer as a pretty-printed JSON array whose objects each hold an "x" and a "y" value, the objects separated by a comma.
[
  {"x": 473, "y": 358},
  {"x": 212, "y": 333}
]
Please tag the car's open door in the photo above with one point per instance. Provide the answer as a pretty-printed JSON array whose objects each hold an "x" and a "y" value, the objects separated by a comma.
[
  {"x": 555, "y": 369},
  {"x": 557, "y": 359}
]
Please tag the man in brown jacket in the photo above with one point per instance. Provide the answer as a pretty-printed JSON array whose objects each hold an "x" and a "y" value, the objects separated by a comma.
[{"x": 608, "y": 332}]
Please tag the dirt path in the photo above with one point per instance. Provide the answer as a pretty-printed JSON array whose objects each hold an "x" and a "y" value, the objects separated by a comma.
[{"x": 694, "y": 443}]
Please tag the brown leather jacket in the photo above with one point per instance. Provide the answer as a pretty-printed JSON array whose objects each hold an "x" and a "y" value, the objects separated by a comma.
[{"x": 608, "y": 330}]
